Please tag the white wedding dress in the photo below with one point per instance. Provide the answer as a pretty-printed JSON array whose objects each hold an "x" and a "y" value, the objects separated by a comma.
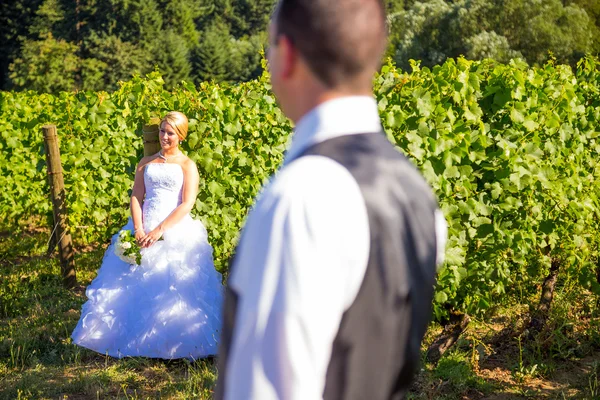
[{"x": 170, "y": 305}]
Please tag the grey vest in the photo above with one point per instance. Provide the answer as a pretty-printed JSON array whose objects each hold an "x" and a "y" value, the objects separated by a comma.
[{"x": 377, "y": 348}]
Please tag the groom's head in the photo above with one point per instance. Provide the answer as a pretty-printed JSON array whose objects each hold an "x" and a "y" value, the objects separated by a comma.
[{"x": 332, "y": 46}]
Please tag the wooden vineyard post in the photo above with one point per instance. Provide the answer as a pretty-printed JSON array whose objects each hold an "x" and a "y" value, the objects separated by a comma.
[
  {"x": 57, "y": 192},
  {"x": 151, "y": 141}
]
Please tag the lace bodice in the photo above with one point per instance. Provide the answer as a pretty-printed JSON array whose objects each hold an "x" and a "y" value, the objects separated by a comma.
[{"x": 164, "y": 184}]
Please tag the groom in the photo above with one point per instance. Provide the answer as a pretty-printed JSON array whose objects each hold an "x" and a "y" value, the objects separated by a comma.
[{"x": 330, "y": 292}]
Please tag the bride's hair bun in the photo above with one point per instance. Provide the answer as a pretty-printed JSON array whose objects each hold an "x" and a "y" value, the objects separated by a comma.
[{"x": 178, "y": 121}]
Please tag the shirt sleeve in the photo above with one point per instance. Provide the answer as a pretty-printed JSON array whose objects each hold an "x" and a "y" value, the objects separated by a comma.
[{"x": 299, "y": 266}]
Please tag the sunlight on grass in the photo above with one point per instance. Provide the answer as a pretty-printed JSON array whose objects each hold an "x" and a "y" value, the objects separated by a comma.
[
  {"x": 37, "y": 358},
  {"x": 457, "y": 371}
]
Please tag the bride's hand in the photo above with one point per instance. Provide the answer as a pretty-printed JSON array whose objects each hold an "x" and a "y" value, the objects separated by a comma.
[
  {"x": 151, "y": 237},
  {"x": 139, "y": 235}
]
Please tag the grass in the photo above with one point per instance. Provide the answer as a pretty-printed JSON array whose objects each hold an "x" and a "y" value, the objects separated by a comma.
[
  {"x": 494, "y": 359},
  {"x": 37, "y": 358}
]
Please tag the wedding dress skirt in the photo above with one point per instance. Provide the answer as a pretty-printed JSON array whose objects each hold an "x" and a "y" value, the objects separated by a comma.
[{"x": 170, "y": 305}]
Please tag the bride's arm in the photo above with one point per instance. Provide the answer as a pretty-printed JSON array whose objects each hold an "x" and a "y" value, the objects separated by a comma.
[
  {"x": 137, "y": 197},
  {"x": 190, "y": 191}
]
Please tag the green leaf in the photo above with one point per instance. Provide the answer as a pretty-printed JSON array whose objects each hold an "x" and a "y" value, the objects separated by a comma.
[
  {"x": 451, "y": 172},
  {"x": 216, "y": 189},
  {"x": 530, "y": 125},
  {"x": 516, "y": 116},
  {"x": 480, "y": 221},
  {"x": 441, "y": 297}
]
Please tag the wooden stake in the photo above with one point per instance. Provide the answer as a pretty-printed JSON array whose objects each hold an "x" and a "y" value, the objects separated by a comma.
[
  {"x": 541, "y": 314},
  {"x": 151, "y": 141},
  {"x": 452, "y": 331},
  {"x": 57, "y": 192}
]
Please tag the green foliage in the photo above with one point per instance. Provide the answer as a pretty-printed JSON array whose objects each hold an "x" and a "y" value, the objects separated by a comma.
[
  {"x": 212, "y": 53},
  {"x": 456, "y": 369},
  {"x": 111, "y": 40},
  {"x": 15, "y": 18},
  {"x": 433, "y": 30},
  {"x": 181, "y": 17},
  {"x": 200, "y": 40},
  {"x": 420, "y": 32},
  {"x": 511, "y": 152},
  {"x": 220, "y": 58},
  {"x": 237, "y": 136},
  {"x": 394, "y": 6},
  {"x": 113, "y": 60},
  {"x": 137, "y": 21},
  {"x": 564, "y": 31},
  {"x": 245, "y": 57},
  {"x": 45, "y": 65},
  {"x": 171, "y": 56},
  {"x": 246, "y": 17},
  {"x": 48, "y": 18},
  {"x": 490, "y": 45}
]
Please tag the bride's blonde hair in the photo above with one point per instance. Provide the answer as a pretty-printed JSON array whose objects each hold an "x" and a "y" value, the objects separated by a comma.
[{"x": 178, "y": 122}]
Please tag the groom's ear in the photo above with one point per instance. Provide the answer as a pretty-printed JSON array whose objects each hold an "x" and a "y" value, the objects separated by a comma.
[{"x": 289, "y": 56}]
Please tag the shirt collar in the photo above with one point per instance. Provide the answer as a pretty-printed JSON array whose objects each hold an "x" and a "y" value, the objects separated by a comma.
[{"x": 341, "y": 116}]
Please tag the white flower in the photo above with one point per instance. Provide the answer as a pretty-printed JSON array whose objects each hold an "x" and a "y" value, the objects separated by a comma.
[{"x": 122, "y": 247}]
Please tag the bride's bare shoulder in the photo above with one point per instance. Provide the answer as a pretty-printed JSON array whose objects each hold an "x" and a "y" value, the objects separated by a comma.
[
  {"x": 146, "y": 160},
  {"x": 187, "y": 164},
  {"x": 186, "y": 161}
]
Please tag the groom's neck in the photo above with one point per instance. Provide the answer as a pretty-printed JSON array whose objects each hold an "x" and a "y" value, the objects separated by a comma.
[{"x": 315, "y": 98}]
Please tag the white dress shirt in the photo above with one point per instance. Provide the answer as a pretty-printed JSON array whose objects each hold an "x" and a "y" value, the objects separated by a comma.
[{"x": 300, "y": 263}]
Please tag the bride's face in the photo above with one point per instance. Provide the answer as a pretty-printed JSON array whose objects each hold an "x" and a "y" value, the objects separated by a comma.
[{"x": 168, "y": 137}]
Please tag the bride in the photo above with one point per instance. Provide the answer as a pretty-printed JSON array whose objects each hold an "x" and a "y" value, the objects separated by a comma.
[{"x": 170, "y": 305}]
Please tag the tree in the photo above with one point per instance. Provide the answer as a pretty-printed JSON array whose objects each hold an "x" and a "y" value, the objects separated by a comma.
[
  {"x": 221, "y": 39},
  {"x": 112, "y": 60},
  {"x": 135, "y": 21},
  {"x": 181, "y": 15},
  {"x": 49, "y": 17},
  {"x": 245, "y": 58},
  {"x": 434, "y": 30},
  {"x": 490, "y": 45},
  {"x": 47, "y": 65},
  {"x": 250, "y": 17},
  {"x": 565, "y": 31},
  {"x": 591, "y": 7},
  {"x": 172, "y": 57},
  {"x": 417, "y": 33},
  {"x": 211, "y": 57},
  {"x": 114, "y": 39},
  {"x": 15, "y": 18}
]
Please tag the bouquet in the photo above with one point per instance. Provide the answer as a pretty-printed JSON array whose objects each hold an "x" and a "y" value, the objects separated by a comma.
[{"x": 127, "y": 248}]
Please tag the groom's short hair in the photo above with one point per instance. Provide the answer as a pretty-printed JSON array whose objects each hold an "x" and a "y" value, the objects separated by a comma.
[{"x": 339, "y": 39}]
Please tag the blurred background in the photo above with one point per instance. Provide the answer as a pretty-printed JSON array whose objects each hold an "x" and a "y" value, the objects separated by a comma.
[{"x": 55, "y": 45}]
